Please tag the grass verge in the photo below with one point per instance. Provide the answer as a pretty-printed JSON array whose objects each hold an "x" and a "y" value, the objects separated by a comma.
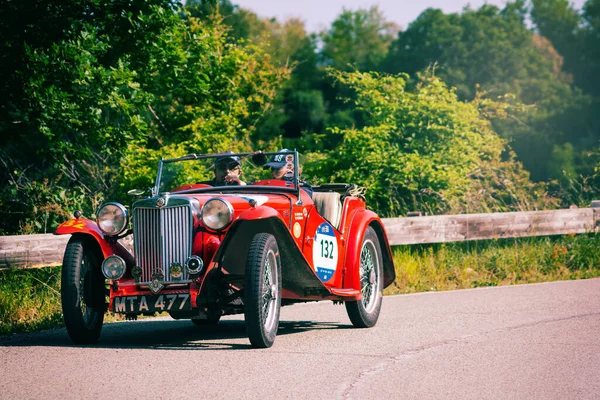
[
  {"x": 30, "y": 298},
  {"x": 462, "y": 265}
]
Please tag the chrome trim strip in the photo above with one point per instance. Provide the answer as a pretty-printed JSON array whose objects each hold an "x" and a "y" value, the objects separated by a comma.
[{"x": 167, "y": 284}]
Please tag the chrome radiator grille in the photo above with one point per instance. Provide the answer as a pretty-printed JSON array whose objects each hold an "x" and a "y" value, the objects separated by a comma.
[{"x": 162, "y": 237}]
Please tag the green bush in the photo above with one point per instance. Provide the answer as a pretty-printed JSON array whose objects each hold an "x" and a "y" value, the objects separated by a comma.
[{"x": 423, "y": 149}]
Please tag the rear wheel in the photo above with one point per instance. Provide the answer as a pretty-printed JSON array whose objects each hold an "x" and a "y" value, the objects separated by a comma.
[
  {"x": 262, "y": 290},
  {"x": 364, "y": 313},
  {"x": 82, "y": 292}
]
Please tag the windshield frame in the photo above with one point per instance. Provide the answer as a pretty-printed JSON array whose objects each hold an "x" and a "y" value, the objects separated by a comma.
[{"x": 296, "y": 178}]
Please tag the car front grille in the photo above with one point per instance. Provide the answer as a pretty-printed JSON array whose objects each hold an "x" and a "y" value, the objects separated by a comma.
[{"x": 162, "y": 237}]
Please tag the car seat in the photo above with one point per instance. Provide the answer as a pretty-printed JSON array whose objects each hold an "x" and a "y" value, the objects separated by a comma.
[{"x": 329, "y": 206}]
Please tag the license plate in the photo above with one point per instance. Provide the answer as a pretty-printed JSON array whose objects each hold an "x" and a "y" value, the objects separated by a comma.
[{"x": 152, "y": 303}]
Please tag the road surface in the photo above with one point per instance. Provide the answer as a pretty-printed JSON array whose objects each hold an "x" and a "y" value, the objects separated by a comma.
[{"x": 520, "y": 342}]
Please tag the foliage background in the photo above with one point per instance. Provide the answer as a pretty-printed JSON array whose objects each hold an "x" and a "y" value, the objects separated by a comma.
[{"x": 477, "y": 111}]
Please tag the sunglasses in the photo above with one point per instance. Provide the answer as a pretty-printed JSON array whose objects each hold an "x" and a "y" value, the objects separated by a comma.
[{"x": 231, "y": 166}]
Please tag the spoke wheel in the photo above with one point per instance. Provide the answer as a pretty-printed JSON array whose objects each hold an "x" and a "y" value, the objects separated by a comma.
[
  {"x": 365, "y": 312},
  {"x": 262, "y": 290},
  {"x": 82, "y": 292}
]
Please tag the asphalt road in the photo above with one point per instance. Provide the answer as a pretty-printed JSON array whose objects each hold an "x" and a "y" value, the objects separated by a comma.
[{"x": 521, "y": 342}]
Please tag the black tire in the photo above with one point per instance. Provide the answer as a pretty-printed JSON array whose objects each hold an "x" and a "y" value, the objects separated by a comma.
[
  {"x": 262, "y": 290},
  {"x": 82, "y": 292},
  {"x": 364, "y": 313}
]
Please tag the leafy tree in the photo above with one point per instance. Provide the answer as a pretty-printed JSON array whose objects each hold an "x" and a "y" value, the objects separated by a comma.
[
  {"x": 560, "y": 22},
  {"x": 63, "y": 96},
  {"x": 212, "y": 91},
  {"x": 591, "y": 48},
  {"x": 118, "y": 90},
  {"x": 357, "y": 40},
  {"x": 493, "y": 51},
  {"x": 299, "y": 107},
  {"x": 243, "y": 24}
]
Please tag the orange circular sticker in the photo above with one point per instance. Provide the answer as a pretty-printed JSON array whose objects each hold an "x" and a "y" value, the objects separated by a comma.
[{"x": 297, "y": 230}]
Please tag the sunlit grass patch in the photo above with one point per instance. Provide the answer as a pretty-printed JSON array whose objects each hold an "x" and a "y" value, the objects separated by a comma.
[
  {"x": 495, "y": 262},
  {"x": 30, "y": 300}
]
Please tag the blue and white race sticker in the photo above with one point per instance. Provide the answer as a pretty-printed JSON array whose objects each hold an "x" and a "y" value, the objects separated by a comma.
[{"x": 325, "y": 252}]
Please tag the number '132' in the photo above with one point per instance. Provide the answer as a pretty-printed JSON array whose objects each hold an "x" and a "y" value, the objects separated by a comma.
[{"x": 327, "y": 249}]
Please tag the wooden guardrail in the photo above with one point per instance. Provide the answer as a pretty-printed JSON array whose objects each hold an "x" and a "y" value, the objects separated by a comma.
[
  {"x": 456, "y": 228},
  {"x": 47, "y": 249}
]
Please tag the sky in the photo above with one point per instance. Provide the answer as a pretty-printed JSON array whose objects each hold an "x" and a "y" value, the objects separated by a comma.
[{"x": 318, "y": 14}]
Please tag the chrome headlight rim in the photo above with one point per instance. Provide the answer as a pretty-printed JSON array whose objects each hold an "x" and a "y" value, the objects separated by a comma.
[
  {"x": 190, "y": 267},
  {"x": 123, "y": 210},
  {"x": 204, "y": 214},
  {"x": 112, "y": 259}
]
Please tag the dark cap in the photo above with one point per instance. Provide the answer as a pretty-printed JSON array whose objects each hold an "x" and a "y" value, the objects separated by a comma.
[
  {"x": 280, "y": 160},
  {"x": 227, "y": 160}
]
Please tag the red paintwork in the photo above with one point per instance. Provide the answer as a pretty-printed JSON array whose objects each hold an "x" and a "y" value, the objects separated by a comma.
[
  {"x": 360, "y": 220},
  {"x": 85, "y": 226}
]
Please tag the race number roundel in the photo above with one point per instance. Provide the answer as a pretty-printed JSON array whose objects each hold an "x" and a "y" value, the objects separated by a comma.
[{"x": 325, "y": 252}]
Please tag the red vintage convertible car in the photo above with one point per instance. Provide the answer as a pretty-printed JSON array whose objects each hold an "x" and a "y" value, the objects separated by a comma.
[{"x": 201, "y": 251}]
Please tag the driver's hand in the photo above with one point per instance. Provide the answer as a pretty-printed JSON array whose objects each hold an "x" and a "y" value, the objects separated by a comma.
[{"x": 232, "y": 180}]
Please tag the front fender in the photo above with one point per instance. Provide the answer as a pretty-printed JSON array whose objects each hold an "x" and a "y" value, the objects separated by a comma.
[
  {"x": 360, "y": 222},
  {"x": 261, "y": 212},
  {"x": 297, "y": 275},
  {"x": 89, "y": 228}
]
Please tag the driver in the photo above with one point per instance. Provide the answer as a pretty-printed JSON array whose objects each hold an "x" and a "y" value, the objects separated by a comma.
[
  {"x": 282, "y": 167},
  {"x": 227, "y": 170}
]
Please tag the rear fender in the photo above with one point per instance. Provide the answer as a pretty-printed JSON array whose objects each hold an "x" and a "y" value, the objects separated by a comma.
[
  {"x": 84, "y": 227},
  {"x": 297, "y": 275},
  {"x": 360, "y": 221}
]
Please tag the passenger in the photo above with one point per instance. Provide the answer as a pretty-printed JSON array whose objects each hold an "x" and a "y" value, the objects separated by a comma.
[
  {"x": 282, "y": 167},
  {"x": 227, "y": 170}
]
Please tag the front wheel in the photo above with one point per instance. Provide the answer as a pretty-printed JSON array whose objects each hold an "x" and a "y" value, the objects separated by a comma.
[
  {"x": 82, "y": 292},
  {"x": 364, "y": 313},
  {"x": 262, "y": 290}
]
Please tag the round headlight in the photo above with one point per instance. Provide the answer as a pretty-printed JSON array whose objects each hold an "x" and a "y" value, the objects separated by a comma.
[
  {"x": 217, "y": 214},
  {"x": 113, "y": 267},
  {"x": 112, "y": 218}
]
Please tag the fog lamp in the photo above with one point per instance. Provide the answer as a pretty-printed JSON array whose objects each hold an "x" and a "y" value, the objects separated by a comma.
[
  {"x": 113, "y": 267},
  {"x": 194, "y": 265}
]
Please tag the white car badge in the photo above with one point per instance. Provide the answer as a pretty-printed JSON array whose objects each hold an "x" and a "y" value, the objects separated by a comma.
[{"x": 160, "y": 202}]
